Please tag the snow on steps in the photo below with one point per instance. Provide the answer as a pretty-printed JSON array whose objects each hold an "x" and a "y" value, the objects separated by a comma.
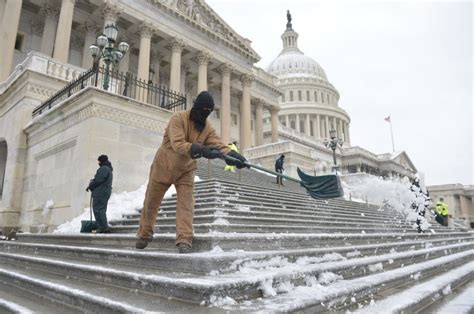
[
  {"x": 462, "y": 303},
  {"x": 420, "y": 295}
]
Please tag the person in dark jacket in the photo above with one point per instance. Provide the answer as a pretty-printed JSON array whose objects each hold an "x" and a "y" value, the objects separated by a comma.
[
  {"x": 279, "y": 168},
  {"x": 101, "y": 187}
]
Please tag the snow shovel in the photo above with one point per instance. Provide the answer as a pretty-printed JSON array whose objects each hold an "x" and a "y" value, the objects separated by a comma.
[
  {"x": 318, "y": 187},
  {"x": 88, "y": 225}
]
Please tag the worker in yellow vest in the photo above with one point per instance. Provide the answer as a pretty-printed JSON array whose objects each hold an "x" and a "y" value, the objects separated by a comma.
[
  {"x": 442, "y": 213},
  {"x": 232, "y": 146}
]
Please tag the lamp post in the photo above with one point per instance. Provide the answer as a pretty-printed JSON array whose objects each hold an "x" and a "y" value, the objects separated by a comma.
[
  {"x": 333, "y": 143},
  {"x": 106, "y": 50}
]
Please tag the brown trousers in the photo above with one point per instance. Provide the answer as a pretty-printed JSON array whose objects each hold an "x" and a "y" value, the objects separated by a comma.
[{"x": 159, "y": 181}]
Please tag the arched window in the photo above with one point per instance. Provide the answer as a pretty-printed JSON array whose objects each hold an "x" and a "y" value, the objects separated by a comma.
[
  {"x": 283, "y": 98},
  {"x": 300, "y": 97},
  {"x": 328, "y": 98},
  {"x": 291, "y": 95},
  {"x": 316, "y": 96},
  {"x": 307, "y": 96},
  {"x": 3, "y": 164},
  {"x": 322, "y": 97}
]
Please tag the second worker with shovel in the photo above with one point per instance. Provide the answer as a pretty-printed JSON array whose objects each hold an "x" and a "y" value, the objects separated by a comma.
[{"x": 188, "y": 136}]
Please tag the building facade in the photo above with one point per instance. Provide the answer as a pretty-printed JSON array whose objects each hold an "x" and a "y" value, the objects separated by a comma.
[
  {"x": 58, "y": 112},
  {"x": 458, "y": 197}
]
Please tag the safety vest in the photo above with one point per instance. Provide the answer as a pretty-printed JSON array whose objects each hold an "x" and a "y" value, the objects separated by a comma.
[{"x": 442, "y": 209}]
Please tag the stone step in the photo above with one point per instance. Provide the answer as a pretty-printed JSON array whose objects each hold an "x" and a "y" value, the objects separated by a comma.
[
  {"x": 458, "y": 302},
  {"x": 205, "y": 288},
  {"x": 164, "y": 220},
  {"x": 229, "y": 241},
  {"x": 319, "y": 298},
  {"x": 419, "y": 296},
  {"x": 205, "y": 262},
  {"x": 73, "y": 285},
  {"x": 226, "y": 227},
  {"x": 271, "y": 213}
]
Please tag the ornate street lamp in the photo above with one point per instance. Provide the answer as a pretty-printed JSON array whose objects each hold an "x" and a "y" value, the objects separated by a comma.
[
  {"x": 333, "y": 143},
  {"x": 106, "y": 50}
]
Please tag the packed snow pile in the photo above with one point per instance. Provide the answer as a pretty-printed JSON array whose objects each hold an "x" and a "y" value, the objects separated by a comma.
[
  {"x": 120, "y": 204},
  {"x": 400, "y": 194}
]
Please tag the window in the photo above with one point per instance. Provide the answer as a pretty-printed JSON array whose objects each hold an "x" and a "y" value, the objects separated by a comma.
[
  {"x": 302, "y": 130},
  {"x": 315, "y": 96},
  {"x": 291, "y": 95},
  {"x": 283, "y": 98},
  {"x": 300, "y": 97},
  {"x": 307, "y": 96},
  {"x": 293, "y": 125},
  {"x": 328, "y": 98},
  {"x": 19, "y": 42},
  {"x": 322, "y": 97},
  {"x": 234, "y": 119}
]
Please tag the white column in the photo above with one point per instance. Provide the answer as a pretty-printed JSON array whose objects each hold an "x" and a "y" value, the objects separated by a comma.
[
  {"x": 287, "y": 120},
  {"x": 245, "y": 112},
  {"x": 177, "y": 47},
  {"x": 226, "y": 71},
  {"x": 63, "y": 36},
  {"x": 50, "y": 14},
  {"x": 3, "y": 3},
  {"x": 307, "y": 127},
  {"x": 259, "y": 122},
  {"x": 203, "y": 60},
  {"x": 298, "y": 129},
  {"x": 89, "y": 29},
  {"x": 339, "y": 128},
  {"x": 274, "y": 120},
  {"x": 8, "y": 31},
  {"x": 317, "y": 129},
  {"x": 328, "y": 126},
  {"x": 348, "y": 138},
  {"x": 146, "y": 32}
]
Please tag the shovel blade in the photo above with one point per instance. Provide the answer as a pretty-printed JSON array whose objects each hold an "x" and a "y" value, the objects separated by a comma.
[{"x": 321, "y": 187}]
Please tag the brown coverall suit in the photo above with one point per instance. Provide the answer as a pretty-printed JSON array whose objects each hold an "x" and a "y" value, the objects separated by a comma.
[{"x": 173, "y": 165}]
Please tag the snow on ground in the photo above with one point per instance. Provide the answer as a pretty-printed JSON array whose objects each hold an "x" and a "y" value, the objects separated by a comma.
[{"x": 120, "y": 204}]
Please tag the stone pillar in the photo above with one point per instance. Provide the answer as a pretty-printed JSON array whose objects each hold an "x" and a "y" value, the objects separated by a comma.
[
  {"x": 259, "y": 122},
  {"x": 297, "y": 123},
  {"x": 89, "y": 30},
  {"x": 226, "y": 71},
  {"x": 274, "y": 121},
  {"x": 146, "y": 32},
  {"x": 245, "y": 112},
  {"x": 203, "y": 60},
  {"x": 177, "y": 47},
  {"x": 63, "y": 37},
  {"x": 327, "y": 127},
  {"x": 50, "y": 14},
  {"x": 287, "y": 120},
  {"x": 307, "y": 127},
  {"x": 8, "y": 31},
  {"x": 339, "y": 128},
  {"x": 348, "y": 138},
  {"x": 317, "y": 132}
]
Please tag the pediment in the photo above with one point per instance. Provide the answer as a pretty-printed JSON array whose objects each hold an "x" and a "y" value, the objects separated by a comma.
[
  {"x": 203, "y": 16},
  {"x": 403, "y": 159}
]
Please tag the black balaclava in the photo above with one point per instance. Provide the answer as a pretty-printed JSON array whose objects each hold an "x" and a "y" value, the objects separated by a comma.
[
  {"x": 198, "y": 113},
  {"x": 104, "y": 161}
]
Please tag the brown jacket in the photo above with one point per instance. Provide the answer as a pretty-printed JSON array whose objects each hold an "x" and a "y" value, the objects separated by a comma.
[{"x": 180, "y": 134}]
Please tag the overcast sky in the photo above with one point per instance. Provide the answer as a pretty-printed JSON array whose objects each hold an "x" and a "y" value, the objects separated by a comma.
[{"x": 411, "y": 60}]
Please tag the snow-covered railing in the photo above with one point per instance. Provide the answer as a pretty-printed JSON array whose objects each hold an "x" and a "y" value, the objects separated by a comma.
[{"x": 38, "y": 62}]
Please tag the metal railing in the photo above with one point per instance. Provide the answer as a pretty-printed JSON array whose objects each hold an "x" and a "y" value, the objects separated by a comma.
[{"x": 121, "y": 84}]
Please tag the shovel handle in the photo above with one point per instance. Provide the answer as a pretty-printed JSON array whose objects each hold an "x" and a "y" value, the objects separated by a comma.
[{"x": 235, "y": 160}]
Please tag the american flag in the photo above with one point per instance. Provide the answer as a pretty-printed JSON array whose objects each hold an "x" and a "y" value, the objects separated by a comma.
[{"x": 387, "y": 119}]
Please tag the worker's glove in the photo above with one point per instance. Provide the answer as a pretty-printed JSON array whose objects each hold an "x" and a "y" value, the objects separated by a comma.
[
  {"x": 239, "y": 163},
  {"x": 209, "y": 152}
]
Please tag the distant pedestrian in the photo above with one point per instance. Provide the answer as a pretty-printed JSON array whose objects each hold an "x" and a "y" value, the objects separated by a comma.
[
  {"x": 101, "y": 187},
  {"x": 442, "y": 213},
  {"x": 233, "y": 147},
  {"x": 279, "y": 168}
]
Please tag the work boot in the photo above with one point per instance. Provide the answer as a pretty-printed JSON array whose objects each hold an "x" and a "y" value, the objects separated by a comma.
[
  {"x": 11, "y": 235},
  {"x": 142, "y": 243},
  {"x": 184, "y": 248}
]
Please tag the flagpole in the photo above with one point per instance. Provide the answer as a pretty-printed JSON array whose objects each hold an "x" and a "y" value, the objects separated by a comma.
[{"x": 391, "y": 133}]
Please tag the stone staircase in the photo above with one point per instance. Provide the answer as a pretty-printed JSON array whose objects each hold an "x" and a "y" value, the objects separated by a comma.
[{"x": 256, "y": 248}]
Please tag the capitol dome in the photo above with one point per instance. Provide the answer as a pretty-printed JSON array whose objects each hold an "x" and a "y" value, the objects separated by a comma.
[{"x": 294, "y": 63}]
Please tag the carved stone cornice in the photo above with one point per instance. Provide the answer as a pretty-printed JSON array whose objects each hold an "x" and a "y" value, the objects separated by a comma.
[
  {"x": 203, "y": 57},
  {"x": 89, "y": 27},
  {"x": 145, "y": 30},
  {"x": 247, "y": 79},
  {"x": 177, "y": 45},
  {"x": 258, "y": 102},
  {"x": 110, "y": 11},
  {"x": 49, "y": 10}
]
